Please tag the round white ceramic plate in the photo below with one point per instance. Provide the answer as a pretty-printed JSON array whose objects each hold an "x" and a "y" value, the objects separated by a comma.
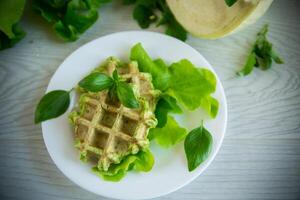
[{"x": 170, "y": 171}]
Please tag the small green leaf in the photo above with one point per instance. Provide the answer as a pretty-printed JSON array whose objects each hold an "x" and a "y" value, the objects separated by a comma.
[
  {"x": 165, "y": 105},
  {"x": 193, "y": 87},
  {"x": 168, "y": 135},
  {"x": 126, "y": 95},
  {"x": 144, "y": 16},
  {"x": 115, "y": 75},
  {"x": 247, "y": 69},
  {"x": 96, "y": 82},
  {"x": 143, "y": 161},
  {"x": 147, "y": 12},
  {"x": 276, "y": 57},
  {"x": 197, "y": 146},
  {"x": 230, "y": 2},
  {"x": 52, "y": 105},
  {"x": 262, "y": 54},
  {"x": 157, "y": 69},
  {"x": 210, "y": 105}
]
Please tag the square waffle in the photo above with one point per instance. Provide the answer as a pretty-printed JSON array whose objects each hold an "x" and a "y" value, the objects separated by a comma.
[{"x": 105, "y": 130}]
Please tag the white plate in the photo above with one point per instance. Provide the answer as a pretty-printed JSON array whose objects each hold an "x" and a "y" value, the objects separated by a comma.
[{"x": 170, "y": 171}]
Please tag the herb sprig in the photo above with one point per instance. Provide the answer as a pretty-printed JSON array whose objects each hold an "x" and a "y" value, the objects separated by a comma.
[
  {"x": 145, "y": 13},
  {"x": 262, "y": 54},
  {"x": 56, "y": 103}
]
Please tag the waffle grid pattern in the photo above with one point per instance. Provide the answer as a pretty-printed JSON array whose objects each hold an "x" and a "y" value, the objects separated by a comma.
[{"x": 109, "y": 131}]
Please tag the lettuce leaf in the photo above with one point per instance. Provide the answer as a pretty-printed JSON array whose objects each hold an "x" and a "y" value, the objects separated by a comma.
[
  {"x": 196, "y": 85},
  {"x": 10, "y": 14},
  {"x": 165, "y": 105},
  {"x": 72, "y": 17},
  {"x": 157, "y": 69},
  {"x": 210, "y": 105},
  {"x": 193, "y": 91},
  {"x": 168, "y": 135},
  {"x": 142, "y": 161}
]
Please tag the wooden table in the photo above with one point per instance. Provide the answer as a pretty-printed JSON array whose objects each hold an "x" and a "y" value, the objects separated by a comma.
[{"x": 260, "y": 156}]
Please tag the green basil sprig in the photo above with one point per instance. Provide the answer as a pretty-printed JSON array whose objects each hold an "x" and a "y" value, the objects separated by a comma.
[
  {"x": 197, "y": 146},
  {"x": 126, "y": 95},
  {"x": 56, "y": 103},
  {"x": 96, "y": 82},
  {"x": 262, "y": 54}
]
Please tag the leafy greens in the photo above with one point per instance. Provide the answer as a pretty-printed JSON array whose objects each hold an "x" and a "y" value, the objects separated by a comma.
[
  {"x": 142, "y": 161},
  {"x": 185, "y": 85},
  {"x": 262, "y": 54},
  {"x": 190, "y": 90},
  {"x": 10, "y": 14},
  {"x": 158, "y": 69},
  {"x": 168, "y": 135},
  {"x": 145, "y": 13},
  {"x": 70, "y": 17}
]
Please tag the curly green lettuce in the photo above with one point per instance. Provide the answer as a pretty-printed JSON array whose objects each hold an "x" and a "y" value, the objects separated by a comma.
[
  {"x": 192, "y": 92},
  {"x": 168, "y": 135},
  {"x": 143, "y": 161}
]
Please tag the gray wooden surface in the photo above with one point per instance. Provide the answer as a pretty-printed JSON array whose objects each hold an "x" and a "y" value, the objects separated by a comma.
[{"x": 260, "y": 156}]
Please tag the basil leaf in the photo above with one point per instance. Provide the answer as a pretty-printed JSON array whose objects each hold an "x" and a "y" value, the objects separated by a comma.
[
  {"x": 126, "y": 95},
  {"x": 52, "y": 105},
  {"x": 276, "y": 57},
  {"x": 247, "y": 69},
  {"x": 262, "y": 54},
  {"x": 96, "y": 82},
  {"x": 230, "y": 2},
  {"x": 197, "y": 146},
  {"x": 115, "y": 75}
]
